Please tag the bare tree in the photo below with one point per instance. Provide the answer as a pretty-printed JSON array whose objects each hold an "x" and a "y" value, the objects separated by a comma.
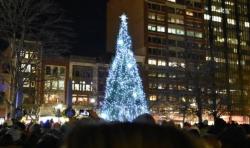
[{"x": 39, "y": 21}]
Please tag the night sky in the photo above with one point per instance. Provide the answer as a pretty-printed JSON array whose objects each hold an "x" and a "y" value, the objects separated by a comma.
[{"x": 88, "y": 18}]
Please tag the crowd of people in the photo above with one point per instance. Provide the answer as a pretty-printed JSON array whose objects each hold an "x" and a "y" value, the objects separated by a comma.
[{"x": 143, "y": 132}]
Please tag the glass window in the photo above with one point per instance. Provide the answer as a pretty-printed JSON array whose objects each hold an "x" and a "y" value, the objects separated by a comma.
[
  {"x": 151, "y": 61},
  {"x": 198, "y": 34},
  {"x": 161, "y": 63},
  {"x": 152, "y": 98},
  {"x": 152, "y": 27},
  {"x": 61, "y": 84},
  {"x": 77, "y": 86},
  {"x": 88, "y": 87},
  {"x": 48, "y": 70},
  {"x": 55, "y": 70},
  {"x": 160, "y": 17},
  {"x": 247, "y": 24},
  {"x": 189, "y": 13},
  {"x": 190, "y": 33},
  {"x": 62, "y": 70},
  {"x": 160, "y": 28},
  {"x": 151, "y": 16},
  {"x": 54, "y": 84}
]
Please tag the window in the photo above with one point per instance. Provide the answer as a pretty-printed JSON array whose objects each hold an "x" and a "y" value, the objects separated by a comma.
[
  {"x": 160, "y": 28},
  {"x": 152, "y": 98},
  {"x": 172, "y": 30},
  {"x": 182, "y": 65},
  {"x": 88, "y": 88},
  {"x": 172, "y": 64},
  {"x": 32, "y": 84},
  {"x": 62, "y": 70},
  {"x": 179, "y": 31},
  {"x": 206, "y": 17},
  {"x": 189, "y": 13},
  {"x": 161, "y": 86},
  {"x": 231, "y": 21},
  {"x": 176, "y": 31},
  {"x": 190, "y": 33},
  {"x": 151, "y": 27},
  {"x": 55, "y": 71},
  {"x": 175, "y": 20},
  {"x": 198, "y": 34},
  {"x": 161, "y": 75},
  {"x": 172, "y": 1},
  {"x": 151, "y": 16},
  {"x": 151, "y": 61},
  {"x": 26, "y": 67},
  {"x": 216, "y": 18},
  {"x": 152, "y": 74},
  {"x": 61, "y": 85},
  {"x": 54, "y": 84},
  {"x": 247, "y": 24},
  {"x": 161, "y": 63},
  {"x": 160, "y": 17}
]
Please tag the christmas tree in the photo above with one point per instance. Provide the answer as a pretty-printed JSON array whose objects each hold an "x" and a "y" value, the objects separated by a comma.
[{"x": 124, "y": 97}]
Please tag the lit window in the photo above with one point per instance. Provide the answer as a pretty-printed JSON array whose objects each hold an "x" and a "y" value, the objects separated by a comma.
[
  {"x": 183, "y": 65},
  {"x": 26, "y": 55},
  {"x": 54, "y": 84},
  {"x": 172, "y": 30},
  {"x": 206, "y": 17},
  {"x": 170, "y": 87},
  {"x": 26, "y": 68},
  {"x": 190, "y": 33},
  {"x": 243, "y": 43},
  {"x": 160, "y": 17},
  {"x": 179, "y": 31},
  {"x": 172, "y": 1},
  {"x": 161, "y": 63},
  {"x": 152, "y": 98},
  {"x": 172, "y": 76},
  {"x": 152, "y": 74},
  {"x": 77, "y": 86},
  {"x": 152, "y": 27},
  {"x": 172, "y": 64},
  {"x": 160, "y": 28},
  {"x": 88, "y": 87},
  {"x": 151, "y": 61},
  {"x": 161, "y": 86},
  {"x": 229, "y": 3},
  {"x": 61, "y": 84},
  {"x": 208, "y": 58},
  {"x": 247, "y": 24},
  {"x": 216, "y": 18},
  {"x": 151, "y": 16},
  {"x": 220, "y": 39},
  {"x": 161, "y": 75},
  {"x": 231, "y": 21},
  {"x": 26, "y": 83},
  {"x": 189, "y": 13},
  {"x": 198, "y": 34},
  {"x": 179, "y": 21}
]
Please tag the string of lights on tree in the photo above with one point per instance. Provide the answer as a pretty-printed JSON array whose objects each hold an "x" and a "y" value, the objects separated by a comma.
[{"x": 124, "y": 97}]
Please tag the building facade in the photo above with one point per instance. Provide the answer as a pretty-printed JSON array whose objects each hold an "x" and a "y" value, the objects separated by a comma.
[
  {"x": 86, "y": 75},
  {"x": 227, "y": 33},
  {"x": 196, "y": 53}
]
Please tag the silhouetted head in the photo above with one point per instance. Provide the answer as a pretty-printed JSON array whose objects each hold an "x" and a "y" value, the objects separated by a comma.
[{"x": 144, "y": 119}]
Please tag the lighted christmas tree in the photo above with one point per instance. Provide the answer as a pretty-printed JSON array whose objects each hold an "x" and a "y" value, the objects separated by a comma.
[{"x": 124, "y": 97}]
